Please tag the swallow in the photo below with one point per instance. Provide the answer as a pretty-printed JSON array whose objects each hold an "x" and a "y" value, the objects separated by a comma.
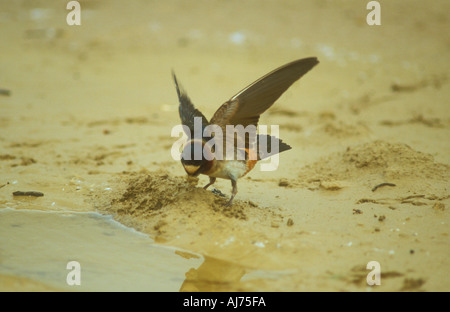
[{"x": 244, "y": 109}]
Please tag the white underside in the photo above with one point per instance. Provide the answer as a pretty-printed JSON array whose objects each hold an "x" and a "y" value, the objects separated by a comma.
[{"x": 234, "y": 169}]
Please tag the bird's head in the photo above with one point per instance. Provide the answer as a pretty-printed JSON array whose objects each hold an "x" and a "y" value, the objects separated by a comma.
[{"x": 196, "y": 157}]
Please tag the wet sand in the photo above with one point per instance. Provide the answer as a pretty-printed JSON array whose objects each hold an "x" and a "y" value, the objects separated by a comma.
[{"x": 89, "y": 111}]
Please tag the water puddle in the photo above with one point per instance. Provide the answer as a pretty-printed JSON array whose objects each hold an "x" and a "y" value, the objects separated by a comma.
[{"x": 38, "y": 245}]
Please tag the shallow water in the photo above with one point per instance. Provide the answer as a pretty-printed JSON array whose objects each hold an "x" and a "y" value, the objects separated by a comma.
[{"x": 38, "y": 245}]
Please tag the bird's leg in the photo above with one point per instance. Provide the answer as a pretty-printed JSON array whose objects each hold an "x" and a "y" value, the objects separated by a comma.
[
  {"x": 233, "y": 192},
  {"x": 211, "y": 182}
]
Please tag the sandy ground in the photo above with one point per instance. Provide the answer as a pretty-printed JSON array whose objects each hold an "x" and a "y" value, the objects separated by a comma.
[{"x": 88, "y": 119}]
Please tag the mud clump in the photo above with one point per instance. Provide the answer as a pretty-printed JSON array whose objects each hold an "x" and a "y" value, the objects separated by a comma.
[
  {"x": 380, "y": 154},
  {"x": 146, "y": 193},
  {"x": 151, "y": 193},
  {"x": 377, "y": 162},
  {"x": 393, "y": 161},
  {"x": 168, "y": 206}
]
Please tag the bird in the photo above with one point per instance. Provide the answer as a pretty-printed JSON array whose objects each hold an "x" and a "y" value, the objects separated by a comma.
[{"x": 244, "y": 108}]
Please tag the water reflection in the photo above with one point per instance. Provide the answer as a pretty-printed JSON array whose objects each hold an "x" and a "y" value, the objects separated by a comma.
[
  {"x": 214, "y": 275},
  {"x": 38, "y": 245}
]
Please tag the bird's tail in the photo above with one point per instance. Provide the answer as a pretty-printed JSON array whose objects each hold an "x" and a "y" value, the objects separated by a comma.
[{"x": 267, "y": 146}]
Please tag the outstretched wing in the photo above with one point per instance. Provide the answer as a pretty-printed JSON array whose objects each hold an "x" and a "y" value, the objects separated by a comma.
[
  {"x": 187, "y": 110},
  {"x": 246, "y": 106}
]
